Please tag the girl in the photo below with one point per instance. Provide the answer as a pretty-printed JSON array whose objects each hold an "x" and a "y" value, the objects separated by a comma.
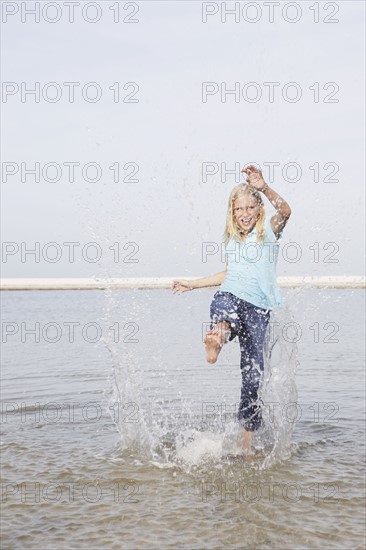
[{"x": 248, "y": 288}]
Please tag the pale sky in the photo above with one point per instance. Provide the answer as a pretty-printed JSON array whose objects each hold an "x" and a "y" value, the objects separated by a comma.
[{"x": 170, "y": 212}]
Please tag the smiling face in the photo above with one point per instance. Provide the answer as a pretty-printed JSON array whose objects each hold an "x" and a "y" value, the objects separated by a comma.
[{"x": 246, "y": 211}]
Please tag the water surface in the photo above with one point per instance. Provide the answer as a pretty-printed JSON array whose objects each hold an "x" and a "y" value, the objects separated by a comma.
[{"x": 130, "y": 441}]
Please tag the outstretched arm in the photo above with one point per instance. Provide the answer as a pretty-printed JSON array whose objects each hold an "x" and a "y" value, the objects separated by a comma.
[
  {"x": 214, "y": 280},
  {"x": 283, "y": 210}
]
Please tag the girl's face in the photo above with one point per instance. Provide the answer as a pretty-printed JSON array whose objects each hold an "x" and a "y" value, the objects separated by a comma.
[{"x": 246, "y": 212}]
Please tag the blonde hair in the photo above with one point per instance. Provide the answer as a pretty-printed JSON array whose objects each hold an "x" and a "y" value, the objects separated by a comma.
[{"x": 231, "y": 228}]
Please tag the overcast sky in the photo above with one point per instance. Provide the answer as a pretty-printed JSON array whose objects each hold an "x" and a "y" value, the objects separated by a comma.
[{"x": 313, "y": 129}]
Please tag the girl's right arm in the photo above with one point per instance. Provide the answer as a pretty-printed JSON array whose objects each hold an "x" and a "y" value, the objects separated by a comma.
[{"x": 214, "y": 280}]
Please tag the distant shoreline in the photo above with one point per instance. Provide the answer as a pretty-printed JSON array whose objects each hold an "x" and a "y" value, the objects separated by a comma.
[{"x": 306, "y": 281}]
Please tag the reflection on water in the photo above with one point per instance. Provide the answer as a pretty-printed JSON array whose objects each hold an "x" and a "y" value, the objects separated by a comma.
[{"x": 132, "y": 441}]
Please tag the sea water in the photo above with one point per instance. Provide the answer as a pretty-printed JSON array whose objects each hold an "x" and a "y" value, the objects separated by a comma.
[{"x": 117, "y": 433}]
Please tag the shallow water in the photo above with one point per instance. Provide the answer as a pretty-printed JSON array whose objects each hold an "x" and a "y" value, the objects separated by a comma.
[{"x": 131, "y": 441}]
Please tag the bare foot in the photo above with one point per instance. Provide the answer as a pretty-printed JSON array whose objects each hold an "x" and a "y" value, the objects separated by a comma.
[
  {"x": 215, "y": 339},
  {"x": 249, "y": 457},
  {"x": 213, "y": 342}
]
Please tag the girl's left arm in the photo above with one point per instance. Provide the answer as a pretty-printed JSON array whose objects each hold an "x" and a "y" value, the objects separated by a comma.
[
  {"x": 283, "y": 210},
  {"x": 256, "y": 180}
]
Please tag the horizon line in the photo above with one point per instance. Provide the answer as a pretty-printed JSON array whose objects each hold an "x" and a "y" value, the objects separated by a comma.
[{"x": 101, "y": 283}]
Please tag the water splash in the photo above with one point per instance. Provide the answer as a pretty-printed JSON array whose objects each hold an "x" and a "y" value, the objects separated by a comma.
[
  {"x": 279, "y": 392},
  {"x": 168, "y": 432}
]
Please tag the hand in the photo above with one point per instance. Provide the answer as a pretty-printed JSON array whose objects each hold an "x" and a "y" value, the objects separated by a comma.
[
  {"x": 181, "y": 286},
  {"x": 255, "y": 178}
]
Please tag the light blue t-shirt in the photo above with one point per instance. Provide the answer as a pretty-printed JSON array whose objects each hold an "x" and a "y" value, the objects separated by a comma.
[{"x": 251, "y": 268}]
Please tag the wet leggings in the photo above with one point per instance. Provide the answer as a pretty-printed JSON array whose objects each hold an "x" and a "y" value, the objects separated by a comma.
[{"x": 249, "y": 323}]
